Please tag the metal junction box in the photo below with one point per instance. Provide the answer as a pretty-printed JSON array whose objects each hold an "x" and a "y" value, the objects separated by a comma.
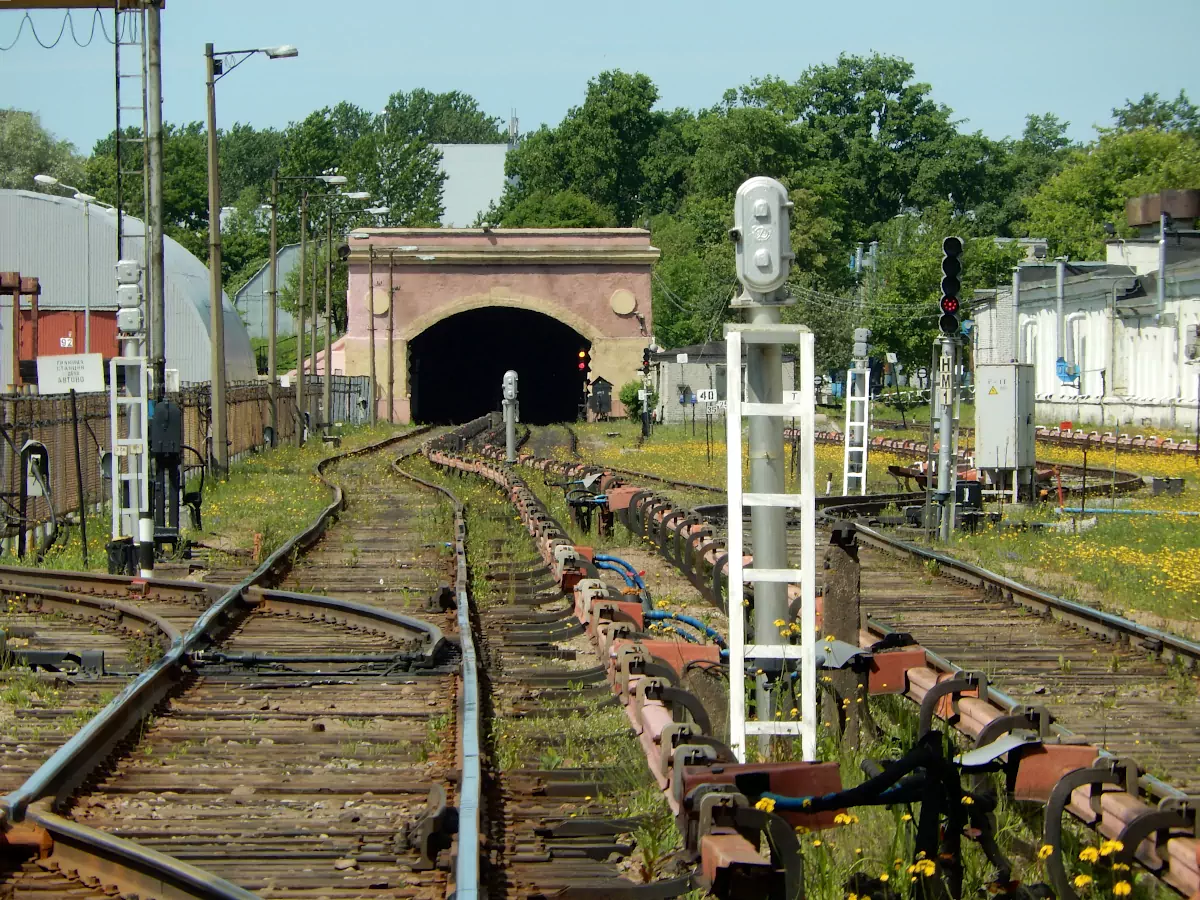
[{"x": 1004, "y": 428}]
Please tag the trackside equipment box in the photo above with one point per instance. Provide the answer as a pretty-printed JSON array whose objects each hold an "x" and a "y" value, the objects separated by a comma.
[{"x": 1004, "y": 432}]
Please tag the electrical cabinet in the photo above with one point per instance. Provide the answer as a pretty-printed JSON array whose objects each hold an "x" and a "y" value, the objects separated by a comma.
[{"x": 1004, "y": 408}]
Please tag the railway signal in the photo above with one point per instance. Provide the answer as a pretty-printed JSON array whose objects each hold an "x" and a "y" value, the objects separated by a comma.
[
  {"x": 645, "y": 360},
  {"x": 949, "y": 304},
  {"x": 585, "y": 362}
]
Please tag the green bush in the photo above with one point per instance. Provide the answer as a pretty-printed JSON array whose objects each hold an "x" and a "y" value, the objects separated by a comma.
[{"x": 629, "y": 398}]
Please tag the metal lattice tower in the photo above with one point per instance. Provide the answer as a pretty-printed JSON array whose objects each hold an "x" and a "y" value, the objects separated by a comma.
[
  {"x": 858, "y": 416},
  {"x": 804, "y": 724},
  {"x": 129, "y": 379}
]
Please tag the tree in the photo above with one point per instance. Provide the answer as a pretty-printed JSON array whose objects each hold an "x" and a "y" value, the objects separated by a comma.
[
  {"x": 629, "y": 399},
  {"x": 1071, "y": 208},
  {"x": 248, "y": 158},
  {"x": 28, "y": 149},
  {"x": 739, "y": 143},
  {"x": 449, "y": 118},
  {"x": 1166, "y": 115},
  {"x": 401, "y": 174},
  {"x": 563, "y": 209},
  {"x": 597, "y": 150},
  {"x": 902, "y": 310}
]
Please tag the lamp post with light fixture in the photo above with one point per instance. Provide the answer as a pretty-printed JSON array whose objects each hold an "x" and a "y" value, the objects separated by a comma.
[
  {"x": 215, "y": 69},
  {"x": 379, "y": 212},
  {"x": 87, "y": 200}
]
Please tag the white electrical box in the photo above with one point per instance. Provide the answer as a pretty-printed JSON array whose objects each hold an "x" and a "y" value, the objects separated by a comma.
[{"x": 1004, "y": 427}]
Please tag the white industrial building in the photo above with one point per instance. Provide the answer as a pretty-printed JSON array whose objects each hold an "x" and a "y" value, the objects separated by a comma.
[
  {"x": 704, "y": 370},
  {"x": 1125, "y": 335},
  {"x": 71, "y": 248}
]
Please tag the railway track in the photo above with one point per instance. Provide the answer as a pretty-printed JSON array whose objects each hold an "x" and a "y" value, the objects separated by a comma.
[
  {"x": 290, "y": 743},
  {"x": 1115, "y": 686}
]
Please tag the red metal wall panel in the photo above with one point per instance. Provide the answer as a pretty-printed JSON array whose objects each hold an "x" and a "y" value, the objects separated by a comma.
[{"x": 60, "y": 331}]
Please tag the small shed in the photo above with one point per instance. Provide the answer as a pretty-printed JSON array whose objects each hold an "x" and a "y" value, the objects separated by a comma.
[
  {"x": 71, "y": 248},
  {"x": 704, "y": 370}
]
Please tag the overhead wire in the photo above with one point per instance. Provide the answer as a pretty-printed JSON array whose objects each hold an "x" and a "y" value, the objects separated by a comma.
[{"x": 68, "y": 25}]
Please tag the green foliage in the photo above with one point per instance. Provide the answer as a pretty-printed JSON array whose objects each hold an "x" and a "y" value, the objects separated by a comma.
[
  {"x": 902, "y": 312},
  {"x": 629, "y": 399},
  {"x": 1071, "y": 208},
  {"x": 1166, "y": 115},
  {"x": 563, "y": 209},
  {"x": 27, "y": 149},
  {"x": 450, "y": 118}
]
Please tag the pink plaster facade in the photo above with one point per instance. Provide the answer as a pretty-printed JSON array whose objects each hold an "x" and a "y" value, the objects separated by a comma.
[{"x": 596, "y": 281}]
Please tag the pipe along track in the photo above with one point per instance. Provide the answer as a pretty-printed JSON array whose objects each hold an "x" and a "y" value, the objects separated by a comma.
[
  {"x": 1123, "y": 690},
  {"x": 303, "y": 744}
]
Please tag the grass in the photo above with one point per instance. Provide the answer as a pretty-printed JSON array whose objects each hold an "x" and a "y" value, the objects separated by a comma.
[{"x": 1129, "y": 564}]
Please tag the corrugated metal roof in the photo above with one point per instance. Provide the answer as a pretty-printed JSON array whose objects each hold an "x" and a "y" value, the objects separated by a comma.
[
  {"x": 51, "y": 237},
  {"x": 474, "y": 178},
  {"x": 251, "y": 301}
]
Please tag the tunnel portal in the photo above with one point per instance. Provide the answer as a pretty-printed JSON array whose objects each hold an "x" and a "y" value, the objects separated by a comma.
[{"x": 456, "y": 366}]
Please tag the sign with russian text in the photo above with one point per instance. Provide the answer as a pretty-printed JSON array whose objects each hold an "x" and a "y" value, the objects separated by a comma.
[{"x": 82, "y": 372}]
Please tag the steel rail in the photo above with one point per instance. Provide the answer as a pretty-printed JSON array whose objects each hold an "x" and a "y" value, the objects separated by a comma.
[
  {"x": 73, "y": 762},
  {"x": 467, "y": 865}
]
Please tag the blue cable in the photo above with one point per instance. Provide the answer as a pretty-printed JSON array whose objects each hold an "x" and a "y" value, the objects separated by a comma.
[{"x": 712, "y": 633}]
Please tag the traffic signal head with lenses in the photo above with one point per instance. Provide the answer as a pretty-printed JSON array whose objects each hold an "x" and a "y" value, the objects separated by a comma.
[
  {"x": 949, "y": 304},
  {"x": 584, "y": 361},
  {"x": 646, "y": 360}
]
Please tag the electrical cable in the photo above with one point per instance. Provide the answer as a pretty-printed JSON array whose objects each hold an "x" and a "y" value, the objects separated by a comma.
[{"x": 68, "y": 23}]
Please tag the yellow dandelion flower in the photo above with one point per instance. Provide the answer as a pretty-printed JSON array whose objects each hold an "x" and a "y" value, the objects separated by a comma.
[
  {"x": 1107, "y": 848},
  {"x": 1089, "y": 854},
  {"x": 1082, "y": 881},
  {"x": 883, "y": 876},
  {"x": 968, "y": 800},
  {"x": 779, "y": 623},
  {"x": 816, "y": 842},
  {"x": 852, "y": 897},
  {"x": 1045, "y": 851},
  {"x": 766, "y": 804},
  {"x": 907, "y": 817},
  {"x": 841, "y": 819},
  {"x": 1120, "y": 867},
  {"x": 1122, "y": 889}
]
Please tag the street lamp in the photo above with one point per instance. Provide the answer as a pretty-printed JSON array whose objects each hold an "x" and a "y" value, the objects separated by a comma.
[
  {"x": 217, "y": 65},
  {"x": 272, "y": 310},
  {"x": 87, "y": 200}
]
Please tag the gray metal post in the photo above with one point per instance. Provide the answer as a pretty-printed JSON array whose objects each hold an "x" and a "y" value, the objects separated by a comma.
[
  {"x": 763, "y": 273},
  {"x": 946, "y": 461},
  {"x": 1016, "y": 315},
  {"x": 300, "y": 335},
  {"x": 1161, "y": 298},
  {"x": 154, "y": 206},
  {"x": 1060, "y": 289},
  {"x": 272, "y": 312},
  {"x": 216, "y": 311},
  {"x": 510, "y": 416},
  {"x": 87, "y": 284}
]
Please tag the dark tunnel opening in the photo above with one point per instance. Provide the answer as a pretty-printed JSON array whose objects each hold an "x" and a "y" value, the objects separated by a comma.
[{"x": 456, "y": 366}]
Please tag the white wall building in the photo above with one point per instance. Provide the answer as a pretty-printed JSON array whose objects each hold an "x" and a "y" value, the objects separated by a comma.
[{"x": 1126, "y": 357}]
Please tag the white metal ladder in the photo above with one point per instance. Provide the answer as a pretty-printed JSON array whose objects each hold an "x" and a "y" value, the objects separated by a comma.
[
  {"x": 805, "y": 725},
  {"x": 858, "y": 416},
  {"x": 130, "y": 482}
]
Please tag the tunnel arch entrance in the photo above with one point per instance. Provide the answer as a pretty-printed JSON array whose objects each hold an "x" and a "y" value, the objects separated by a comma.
[{"x": 455, "y": 366}]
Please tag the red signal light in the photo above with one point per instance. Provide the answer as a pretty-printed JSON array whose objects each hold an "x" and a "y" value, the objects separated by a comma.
[
  {"x": 582, "y": 365},
  {"x": 949, "y": 304}
]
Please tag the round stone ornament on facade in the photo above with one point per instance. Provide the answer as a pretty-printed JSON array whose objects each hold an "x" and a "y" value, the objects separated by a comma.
[
  {"x": 623, "y": 302},
  {"x": 380, "y": 301}
]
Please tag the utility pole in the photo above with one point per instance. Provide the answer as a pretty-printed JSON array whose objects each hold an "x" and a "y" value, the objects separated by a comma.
[
  {"x": 154, "y": 202},
  {"x": 328, "y": 398},
  {"x": 300, "y": 325},
  {"x": 272, "y": 311},
  {"x": 216, "y": 310},
  {"x": 646, "y": 392},
  {"x": 371, "y": 320},
  {"x": 391, "y": 359}
]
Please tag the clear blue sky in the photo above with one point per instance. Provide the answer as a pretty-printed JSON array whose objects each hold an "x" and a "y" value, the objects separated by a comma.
[{"x": 992, "y": 63}]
